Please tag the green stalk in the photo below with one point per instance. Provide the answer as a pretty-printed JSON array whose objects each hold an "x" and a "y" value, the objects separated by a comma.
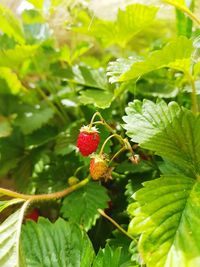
[{"x": 184, "y": 9}]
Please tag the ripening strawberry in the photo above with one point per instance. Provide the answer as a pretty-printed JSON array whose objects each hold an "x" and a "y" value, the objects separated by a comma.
[
  {"x": 33, "y": 215},
  {"x": 99, "y": 168},
  {"x": 88, "y": 140}
]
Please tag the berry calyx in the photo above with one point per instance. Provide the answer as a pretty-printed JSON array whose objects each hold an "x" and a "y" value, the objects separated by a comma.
[
  {"x": 99, "y": 168},
  {"x": 88, "y": 140}
]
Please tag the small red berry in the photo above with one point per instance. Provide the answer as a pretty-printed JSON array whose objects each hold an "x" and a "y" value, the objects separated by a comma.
[
  {"x": 88, "y": 140},
  {"x": 99, "y": 168},
  {"x": 33, "y": 215}
]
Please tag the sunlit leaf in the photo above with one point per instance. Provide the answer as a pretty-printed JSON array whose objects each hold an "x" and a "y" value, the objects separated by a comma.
[
  {"x": 6, "y": 203},
  {"x": 168, "y": 221},
  {"x": 175, "y": 55},
  {"x": 129, "y": 22},
  {"x": 11, "y": 79},
  {"x": 169, "y": 130},
  {"x": 14, "y": 58},
  {"x": 10, "y": 231},
  {"x": 10, "y": 25},
  {"x": 100, "y": 99}
]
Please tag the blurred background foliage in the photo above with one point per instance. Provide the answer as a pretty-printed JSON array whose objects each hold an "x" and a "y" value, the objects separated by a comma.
[{"x": 55, "y": 73}]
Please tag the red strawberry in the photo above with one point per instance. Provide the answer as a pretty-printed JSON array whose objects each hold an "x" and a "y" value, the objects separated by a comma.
[
  {"x": 99, "y": 168},
  {"x": 88, "y": 140},
  {"x": 33, "y": 215}
]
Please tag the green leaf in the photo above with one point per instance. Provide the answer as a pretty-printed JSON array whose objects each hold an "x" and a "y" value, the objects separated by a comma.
[
  {"x": 108, "y": 257},
  {"x": 176, "y": 55},
  {"x": 66, "y": 141},
  {"x": 84, "y": 75},
  {"x": 11, "y": 151},
  {"x": 41, "y": 136},
  {"x": 167, "y": 215},
  {"x": 71, "y": 56},
  {"x": 169, "y": 130},
  {"x": 121, "y": 65},
  {"x": 5, "y": 127},
  {"x": 15, "y": 58},
  {"x": 32, "y": 118},
  {"x": 119, "y": 240},
  {"x": 59, "y": 244},
  {"x": 100, "y": 99},
  {"x": 10, "y": 25},
  {"x": 129, "y": 22},
  {"x": 10, "y": 231},
  {"x": 81, "y": 206},
  {"x": 11, "y": 79}
]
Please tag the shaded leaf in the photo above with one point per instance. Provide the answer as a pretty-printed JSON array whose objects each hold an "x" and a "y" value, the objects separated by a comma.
[
  {"x": 11, "y": 151},
  {"x": 107, "y": 257},
  {"x": 32, "y": 118},
  {"x": 5, "y": 127},
  {"x": 59, "y": 244},
  {"x": 81, "y": 206},
  {"x": 83, "y": 75}
]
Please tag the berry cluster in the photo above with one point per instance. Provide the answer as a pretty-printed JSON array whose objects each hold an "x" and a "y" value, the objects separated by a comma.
[{"x": 87, "y": 143}]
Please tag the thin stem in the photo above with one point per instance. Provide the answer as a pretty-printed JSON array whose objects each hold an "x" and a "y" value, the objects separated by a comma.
[
  {"x": 102, "y": 121},
  {"x": 183, "y": 9},
  {"x": 117, "y": 154},
  {"x": 116, "y": 224},
  {"x": 194, "y": 97},
  {"x": 110, "y": 129},
  {"x": 195, "y": 108},
  {"x": 78, "y": 170},
  {"x": 107, "y": 139},
  {"x": 45, "y": 197}
]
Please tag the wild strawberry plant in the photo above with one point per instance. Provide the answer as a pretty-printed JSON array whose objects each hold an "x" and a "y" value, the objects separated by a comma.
[{"x": 100, "y": 135}]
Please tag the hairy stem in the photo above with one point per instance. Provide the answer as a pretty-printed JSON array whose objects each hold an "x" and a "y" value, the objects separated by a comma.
[{"x": 44, "y": 197}]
